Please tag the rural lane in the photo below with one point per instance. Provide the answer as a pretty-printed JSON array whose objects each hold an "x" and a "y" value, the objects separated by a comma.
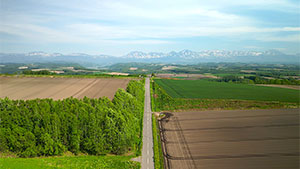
[{"x": 147, "y": 151}]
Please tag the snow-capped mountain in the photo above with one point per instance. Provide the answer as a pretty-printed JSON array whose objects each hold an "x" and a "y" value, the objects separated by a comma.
[
  {"x": 188, "y": 54},
  {"x": 43, "y": 54},
  {"x": 142, "y": 55},
  {"x": 184, "y": 56}
]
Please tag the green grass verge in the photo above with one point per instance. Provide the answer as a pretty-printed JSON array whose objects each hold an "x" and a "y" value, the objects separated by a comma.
[
  {"x": 223, "y": 104},
  {"x": 203, "y": 89},
  {"x": 153, "y": 109},
  {"x": 87, "y": 162},
  {"x": 157, "y": 149}
]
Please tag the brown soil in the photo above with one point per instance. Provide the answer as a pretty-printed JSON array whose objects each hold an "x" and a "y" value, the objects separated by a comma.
[
  {"x": 59, "y": 88},
  {"x": 261, "y": 139}
]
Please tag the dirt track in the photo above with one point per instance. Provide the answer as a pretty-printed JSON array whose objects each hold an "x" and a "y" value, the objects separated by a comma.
[
  {"x": 59, "y": 88},
  {"x": 260, "y": 139}
]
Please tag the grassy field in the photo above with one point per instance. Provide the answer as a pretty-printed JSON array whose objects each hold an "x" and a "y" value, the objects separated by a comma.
[
  {"x": 87, "y": 162},
  {"x": 203, "y": 89}
]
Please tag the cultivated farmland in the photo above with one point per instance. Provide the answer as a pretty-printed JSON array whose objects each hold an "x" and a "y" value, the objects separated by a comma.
[
  {"x": 203, "y": 89},
  {"x": 261, "y": 139},
  {"x": 59, "y": 88}
]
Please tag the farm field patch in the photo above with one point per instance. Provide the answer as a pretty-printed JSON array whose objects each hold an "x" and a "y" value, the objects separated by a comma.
[
  {"x": 261, "y": 139},
  {"x": 59, "y": 88},
  {"x": 204, "y": 89}
]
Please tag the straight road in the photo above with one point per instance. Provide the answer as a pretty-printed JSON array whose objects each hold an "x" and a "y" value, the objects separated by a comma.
[{"x": 147, "y": 151}]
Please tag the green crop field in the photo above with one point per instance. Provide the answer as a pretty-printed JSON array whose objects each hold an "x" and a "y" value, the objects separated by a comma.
[
  {"x": 122, "y": 162},
  {"x": 204, "y": 89}
]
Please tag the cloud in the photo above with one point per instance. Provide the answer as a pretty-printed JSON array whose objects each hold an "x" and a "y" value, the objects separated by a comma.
[
  {"x": 92, "y": 33},
  {"x": 32, "y": 32},
  {"x": 143, "y": 22},
  {"x": 253, "y": 47},
  {"x": 286, "y": 6},
  {"x": 287, "y": 38}
]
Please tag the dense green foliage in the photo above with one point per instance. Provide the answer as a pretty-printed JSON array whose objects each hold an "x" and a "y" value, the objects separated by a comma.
[
  {"x": 161, "y": 101},
  {"x": 87, "y": 162},
  {"x": 204, "y": 89},
  {"x": 258, "y": 80},
  {"x": 41, "y": 72},
  {"x": 157, "y": 149},
  {"x": 44, "y": 127}
]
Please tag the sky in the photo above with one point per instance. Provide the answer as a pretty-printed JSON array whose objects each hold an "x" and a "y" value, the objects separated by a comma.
[{"x": 116, "y": 27}]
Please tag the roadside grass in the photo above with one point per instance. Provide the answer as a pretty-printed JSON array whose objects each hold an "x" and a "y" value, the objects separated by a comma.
[
  {"x": 157, "y": 149},
  {"x": 223, "y": 104},
  {"x": 153, "y": 107},
  {"x": 87, "y": 162},
  {"x": 203, "y": 89}
]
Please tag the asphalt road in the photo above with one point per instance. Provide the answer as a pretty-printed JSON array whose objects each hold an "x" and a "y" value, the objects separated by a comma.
[{"x": 147, "y": 151}]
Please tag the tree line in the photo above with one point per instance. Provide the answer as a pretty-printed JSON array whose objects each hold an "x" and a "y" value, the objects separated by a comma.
[
  {"x": 40, "y": 72},
  {"x": 258, "y": 80},
  {"x": 46, "y": 127}
]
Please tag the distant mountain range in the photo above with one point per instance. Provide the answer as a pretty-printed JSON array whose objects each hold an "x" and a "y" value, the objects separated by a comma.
[{"x": 184, "y": 56}]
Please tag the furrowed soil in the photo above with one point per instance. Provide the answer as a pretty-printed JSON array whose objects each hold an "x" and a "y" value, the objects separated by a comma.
[
  {"x": 59, "y": 88},
  {"x": 232, "y": 139}
]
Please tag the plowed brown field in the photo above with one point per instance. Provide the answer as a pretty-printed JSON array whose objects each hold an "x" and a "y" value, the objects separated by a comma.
[
  {"x": 239, "y": 139},
  {"x": 59, "y": 88}
]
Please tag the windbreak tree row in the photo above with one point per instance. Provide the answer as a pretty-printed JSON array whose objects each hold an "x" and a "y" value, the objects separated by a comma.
[
  {"x": 257, "y": 80},
  {"x": 45, "y": 127}
]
